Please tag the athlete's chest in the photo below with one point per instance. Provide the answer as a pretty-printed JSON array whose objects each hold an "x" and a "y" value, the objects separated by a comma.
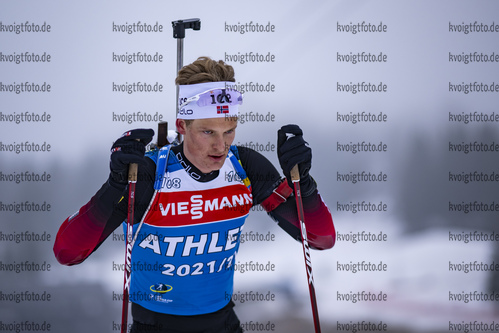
[{"x": 184, "y": 201}]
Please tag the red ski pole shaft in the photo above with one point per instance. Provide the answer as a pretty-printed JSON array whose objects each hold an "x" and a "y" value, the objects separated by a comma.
[
  {"x": 132, "y": 180},
  {"x": 295, "y": 178}
]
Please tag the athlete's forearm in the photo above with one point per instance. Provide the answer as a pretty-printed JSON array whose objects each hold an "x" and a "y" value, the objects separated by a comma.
[
  {"x": 81, "y": 233},
  {"x": 265, "y": 179},
  {"x": 321, "y": 233}
]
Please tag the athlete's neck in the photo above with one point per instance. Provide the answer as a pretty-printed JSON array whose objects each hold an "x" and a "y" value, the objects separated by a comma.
[{"x": 190, "y": 168}]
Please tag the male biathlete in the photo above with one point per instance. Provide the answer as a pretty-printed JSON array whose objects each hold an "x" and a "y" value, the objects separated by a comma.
[{"x": 184, "y": 254}]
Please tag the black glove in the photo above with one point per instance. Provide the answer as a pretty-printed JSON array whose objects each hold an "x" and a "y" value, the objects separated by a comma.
[
  {"x": 129, "y": 148},
  {"x": 292, "y": 150}
]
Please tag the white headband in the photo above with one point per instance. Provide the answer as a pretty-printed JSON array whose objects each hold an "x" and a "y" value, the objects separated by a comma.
[{"x": 208, "y": 100}]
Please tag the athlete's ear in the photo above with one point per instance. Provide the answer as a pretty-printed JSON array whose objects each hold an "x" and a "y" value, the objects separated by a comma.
[{"x": 181, "y": 126}]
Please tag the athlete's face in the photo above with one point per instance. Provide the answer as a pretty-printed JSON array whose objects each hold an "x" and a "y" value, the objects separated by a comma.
[{"x": 206, "y": 141}]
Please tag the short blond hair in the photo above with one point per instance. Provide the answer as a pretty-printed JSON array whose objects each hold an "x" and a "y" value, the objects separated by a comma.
[{"x": 205, "y": 69}]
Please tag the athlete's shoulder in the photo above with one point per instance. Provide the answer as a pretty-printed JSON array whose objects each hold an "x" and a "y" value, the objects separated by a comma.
[
  {"x": 153, "y": 154},
  {"x": 245, "y": 154},
  {"x": 156, "y": 153}
]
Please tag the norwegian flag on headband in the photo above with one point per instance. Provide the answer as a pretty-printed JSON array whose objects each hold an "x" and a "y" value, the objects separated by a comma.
[{"x": 222, "y": 109}]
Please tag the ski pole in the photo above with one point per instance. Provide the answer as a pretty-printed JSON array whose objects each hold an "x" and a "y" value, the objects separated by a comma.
[
  {"x": 132, "y": 180},
  {"x": 295, "y": 178}
]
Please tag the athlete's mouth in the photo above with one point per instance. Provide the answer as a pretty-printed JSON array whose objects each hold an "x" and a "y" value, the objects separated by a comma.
[{"x": 217, "y": 157}]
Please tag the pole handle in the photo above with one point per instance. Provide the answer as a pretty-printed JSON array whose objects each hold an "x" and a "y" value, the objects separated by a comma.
[
  {"x": 132, "y": 172},
  {"x": 295, "y": 174}
]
